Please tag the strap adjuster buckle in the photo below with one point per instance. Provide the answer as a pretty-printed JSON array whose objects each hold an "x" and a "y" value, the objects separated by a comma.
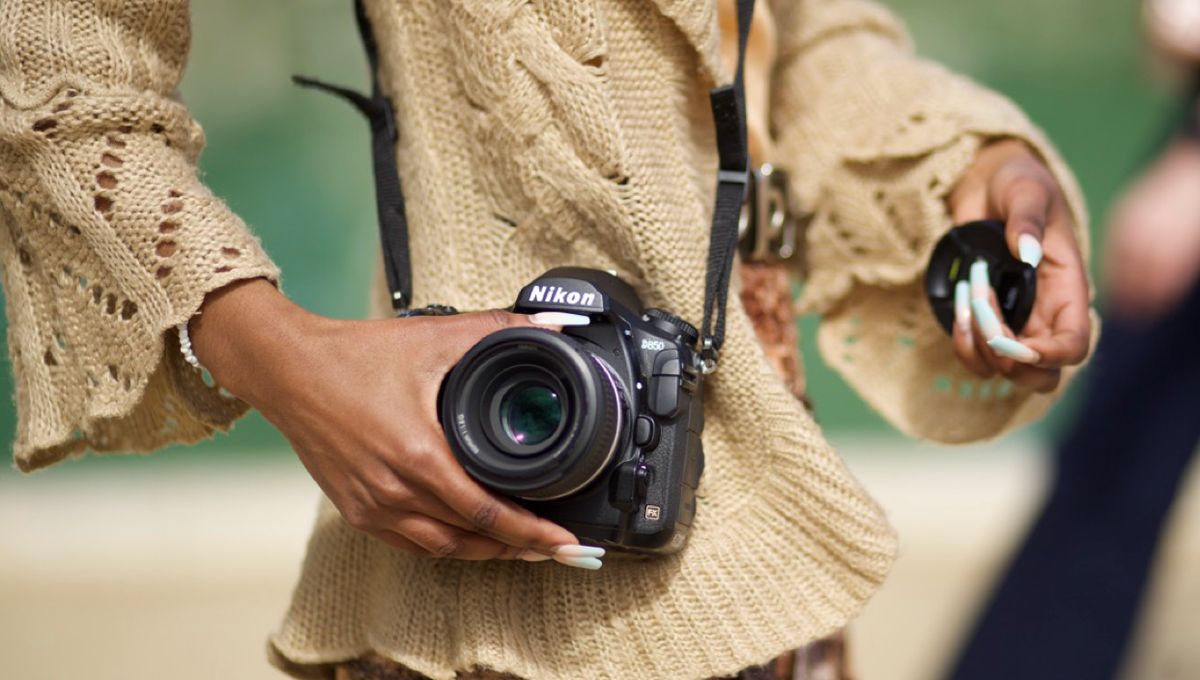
[{"x": 767, "y": 231}]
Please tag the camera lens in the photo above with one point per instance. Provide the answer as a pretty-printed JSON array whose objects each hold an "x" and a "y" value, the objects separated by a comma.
[{"x": 533, "y": 413}]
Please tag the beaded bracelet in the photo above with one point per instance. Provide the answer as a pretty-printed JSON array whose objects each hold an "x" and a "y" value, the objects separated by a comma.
[{"x": 185, "y": 346}]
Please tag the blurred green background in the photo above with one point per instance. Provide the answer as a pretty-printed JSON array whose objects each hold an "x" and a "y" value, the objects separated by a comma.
[{"x": 294, "y": 163}]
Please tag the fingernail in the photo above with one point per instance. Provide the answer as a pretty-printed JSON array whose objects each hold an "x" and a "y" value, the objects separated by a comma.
[
  {"x": 988, "y": 322},
  {"x": 962, "y": 304},
  {"x": 579, "y": 562},
  {"x": 979, "y": 280},
  {"x": 1029, "y": 249},
  {"x": 1015, "y": 350},
  {"x": 559, "y": 319},
  {"x": 533, "y": 556},
  {"x": 578, "y": 551}
]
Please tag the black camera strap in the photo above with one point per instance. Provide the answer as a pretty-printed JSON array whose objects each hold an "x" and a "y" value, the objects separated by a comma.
[
  {"x": 389, "y": 198},
  {"x": 729, "y": 116}
]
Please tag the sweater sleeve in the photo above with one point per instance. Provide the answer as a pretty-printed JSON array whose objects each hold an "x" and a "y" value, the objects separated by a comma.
[
  {"x": 108, "y": 239},
  {"x": 874, "y": 139}
]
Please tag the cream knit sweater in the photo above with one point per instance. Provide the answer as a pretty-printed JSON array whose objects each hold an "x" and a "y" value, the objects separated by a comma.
[{"x": 535, "y": 135}]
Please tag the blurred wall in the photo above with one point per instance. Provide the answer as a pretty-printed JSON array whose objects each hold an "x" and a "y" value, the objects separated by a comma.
[{"x": 294, "y": 163}]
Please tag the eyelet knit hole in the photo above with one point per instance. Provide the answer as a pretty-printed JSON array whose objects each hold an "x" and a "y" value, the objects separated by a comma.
[
  {"x": 223, "y": 269},
  {"x": 859, "y": 250},
  {"x": 62, "y": 106},
  {"x": 231, "y": 253},
  {"x": 505, "y": 220},
  {"x": 97, "y": 294},
  {"x": 44, "y": 124},
  {"x": 125, "y": 129},
  {"x": 111, "y": 160},
  {"x": 165, "y": 249},
  {"x": 156, "y": 129},
  {"x": 163, "y": 272},
  {"x": 49, "y": 358},
  {"x": 110, "y": 304},
  {"x": 917, "y": 118},
  {"x": 25, "y": 257},
  {"x": 619, "y": 180},
  {"x": 880, "y": 196},
  {"x": 126, "y": 383},
  {"x": 935, "y": 183},
  {"x": 106, "y": 180},
  {"x": 104, "y": 204},
  {"x": 128, "y": 309},
  {"x": 112, "y": 371},
  {"x": 595, "y": 62},
  {"x": 167, "y": 227},
  {"x": 172, "y": 207},
  {"x": 174, "y": 193},
  {"x": 72, "y": 93},
  {"x": 60, "y": 340},
  {"x": 116, "y": 143}
]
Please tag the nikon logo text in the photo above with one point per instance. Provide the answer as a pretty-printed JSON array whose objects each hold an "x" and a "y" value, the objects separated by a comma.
[{"x": 560, "y": 296}]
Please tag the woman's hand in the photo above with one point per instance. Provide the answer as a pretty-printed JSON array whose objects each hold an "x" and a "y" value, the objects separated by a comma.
[
  {"x": 357, "y": 401},
  {"x": 1009, "y": 182}
]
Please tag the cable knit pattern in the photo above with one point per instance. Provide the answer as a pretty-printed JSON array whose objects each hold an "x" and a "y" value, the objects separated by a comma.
[
  {"x": 561, "y": 132},
  {"x": 107, "y": 237}
]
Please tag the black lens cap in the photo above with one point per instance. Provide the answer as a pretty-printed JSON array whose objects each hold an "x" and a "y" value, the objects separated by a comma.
[{"x": 1014, "y": 281}]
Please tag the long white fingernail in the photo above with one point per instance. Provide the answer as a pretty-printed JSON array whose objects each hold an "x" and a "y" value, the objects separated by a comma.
[
  {"x": 578, "y": 551},
  {"x": 533, "y": 556},
  {"x": 1015, "y": 350},
  {"x": 962, "y": 304},
  {"x": 1029, "y": 249},
  {"x": 579, "y": 562},
  {"x": 979, "y": 280},
  {"x": 988, "y": 322},
  {"x": 559, "y": 319}
]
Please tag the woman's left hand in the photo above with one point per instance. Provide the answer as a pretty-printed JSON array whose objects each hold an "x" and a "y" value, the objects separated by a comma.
[{"x": 1009, "y": 182}]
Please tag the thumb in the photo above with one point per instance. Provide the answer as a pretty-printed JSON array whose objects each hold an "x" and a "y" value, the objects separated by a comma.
[{"x": 456, "y": 334}]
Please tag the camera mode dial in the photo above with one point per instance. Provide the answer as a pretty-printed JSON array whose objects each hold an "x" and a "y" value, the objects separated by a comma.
[{"x": 673, "y": 325}]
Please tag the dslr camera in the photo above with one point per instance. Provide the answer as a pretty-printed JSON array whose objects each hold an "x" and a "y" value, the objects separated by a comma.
[{"x": 596, "y": 428}]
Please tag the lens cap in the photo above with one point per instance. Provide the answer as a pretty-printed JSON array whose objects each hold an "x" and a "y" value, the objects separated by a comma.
[{"x": 1014, "y": 281}]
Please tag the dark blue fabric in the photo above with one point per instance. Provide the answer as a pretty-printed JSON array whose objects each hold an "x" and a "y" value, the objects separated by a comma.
[{"x": 1066, "y": 606}]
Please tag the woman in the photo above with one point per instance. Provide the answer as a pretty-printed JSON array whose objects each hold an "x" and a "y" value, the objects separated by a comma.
[{"x": 534, "y": 135}]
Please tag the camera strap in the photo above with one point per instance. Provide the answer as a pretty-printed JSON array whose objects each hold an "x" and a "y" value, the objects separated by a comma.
[{"x": 729, "y": 116}]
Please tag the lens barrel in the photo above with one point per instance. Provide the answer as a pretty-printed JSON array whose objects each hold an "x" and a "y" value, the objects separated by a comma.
[{"x": 532, "y": 413}]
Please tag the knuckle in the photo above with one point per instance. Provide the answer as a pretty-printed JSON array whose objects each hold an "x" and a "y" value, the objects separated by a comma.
[
  {"x": 493, "y": 320},
  {"x": 357, "y": 516},
  {"x": 449, "y": 546},
  {"x": 393, "y": 493},
  {"x": 485, "y": 516}
]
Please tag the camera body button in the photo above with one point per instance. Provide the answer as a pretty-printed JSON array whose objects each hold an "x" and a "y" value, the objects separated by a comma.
[{"x": 645, "y": 432}]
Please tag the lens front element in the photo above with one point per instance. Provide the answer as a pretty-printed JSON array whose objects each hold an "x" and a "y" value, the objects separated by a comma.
[
  {"x": 530, "y": 414},
  {"x": 533, "y": 413}
]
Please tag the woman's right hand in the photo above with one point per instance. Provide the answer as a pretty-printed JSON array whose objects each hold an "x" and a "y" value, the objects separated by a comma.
[{"x": 357, "y": 401}]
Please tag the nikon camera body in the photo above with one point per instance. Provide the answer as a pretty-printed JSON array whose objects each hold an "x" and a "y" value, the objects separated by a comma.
[{"x": 596, "y": 428}]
